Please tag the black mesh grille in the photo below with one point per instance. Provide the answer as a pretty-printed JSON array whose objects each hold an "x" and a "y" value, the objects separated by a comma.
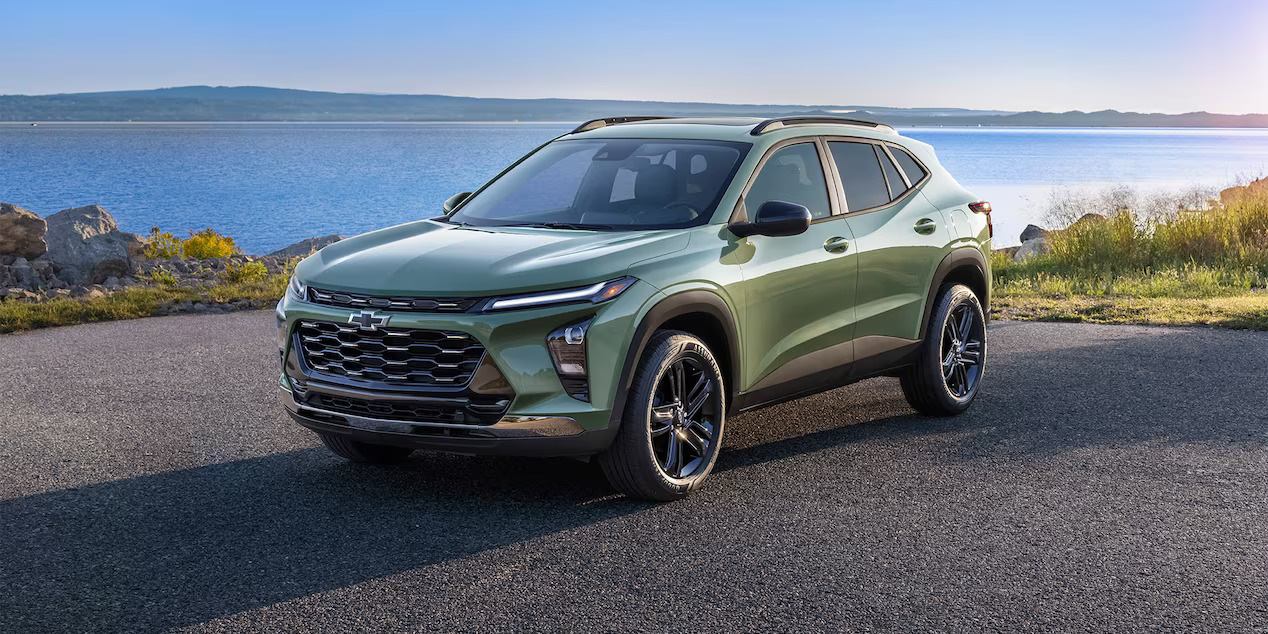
[
  {"x": 391, "y": 355},
  {"x": 473, "y": 413},
  {"x": 414, "y": 304}
]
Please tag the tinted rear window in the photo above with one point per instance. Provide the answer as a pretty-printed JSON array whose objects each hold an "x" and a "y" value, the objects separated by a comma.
[
  {"x": 896, "y": 184},
  {"x": 915, "y": 173},
  {"x": 860, "y": 174}
]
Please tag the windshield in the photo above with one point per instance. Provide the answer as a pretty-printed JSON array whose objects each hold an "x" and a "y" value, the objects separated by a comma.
[{"x": 609, "y": 184}]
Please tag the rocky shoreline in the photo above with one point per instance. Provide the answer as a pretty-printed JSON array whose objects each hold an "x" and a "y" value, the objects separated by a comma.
[{"x": 81, "y": 253}]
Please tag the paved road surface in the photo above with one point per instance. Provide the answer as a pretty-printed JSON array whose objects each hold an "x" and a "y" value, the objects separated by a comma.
[{"x": 1107, "y": 478}]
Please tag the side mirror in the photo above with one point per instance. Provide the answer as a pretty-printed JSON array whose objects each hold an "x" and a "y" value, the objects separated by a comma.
[
  {"x": 455, "y": 200},
  {"x": 774, "y": 218}
]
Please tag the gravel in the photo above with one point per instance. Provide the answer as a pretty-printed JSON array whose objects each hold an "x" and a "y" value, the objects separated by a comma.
[{"x": 1109, "y": 477}]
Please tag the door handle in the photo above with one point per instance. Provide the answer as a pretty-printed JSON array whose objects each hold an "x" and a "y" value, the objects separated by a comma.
[
  {"x": 836, "y": 245},
  {"x": 925, "y": 226}
]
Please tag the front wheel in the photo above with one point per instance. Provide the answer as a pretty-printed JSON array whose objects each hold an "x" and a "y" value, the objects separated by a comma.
[
  {"x": 672, "y": 427},
  {"x": 949, "y": 365}
]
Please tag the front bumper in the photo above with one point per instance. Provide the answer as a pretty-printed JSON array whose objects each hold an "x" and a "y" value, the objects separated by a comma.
[
  {"x": 512, "y": 435},
  {"x": 541, "y": 418}
]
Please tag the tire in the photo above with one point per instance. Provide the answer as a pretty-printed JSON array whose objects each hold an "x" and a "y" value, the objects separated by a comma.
[
  {"x": 677, "y": 399},
  {"x": 929, "y": 386},
  {"x": 364, "y": 452}
]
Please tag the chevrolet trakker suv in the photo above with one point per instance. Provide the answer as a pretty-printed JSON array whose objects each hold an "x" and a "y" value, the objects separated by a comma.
[{"x": 625, "y": 288}]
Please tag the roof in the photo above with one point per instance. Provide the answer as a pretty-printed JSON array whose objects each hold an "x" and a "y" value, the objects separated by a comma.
[{"x": 744, "y": 129}]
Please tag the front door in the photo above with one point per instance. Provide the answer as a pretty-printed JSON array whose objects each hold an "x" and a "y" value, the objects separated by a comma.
[{"x": 799, "y": 290}]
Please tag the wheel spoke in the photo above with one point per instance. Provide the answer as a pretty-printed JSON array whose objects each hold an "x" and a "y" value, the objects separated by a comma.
[
  {"x": 699, "y": 394},
  {"x": 703, "y": 430},
  {"x": 970, "y": 358},
  {"x": 673, "y": 456},
  {"x": 962, "y": 380},
  {"x": 697, "y": 443},
  {"x": 678, "y": 381},
  {"x": 952, "y": 326},
  {"x": 966, "y": 322}
]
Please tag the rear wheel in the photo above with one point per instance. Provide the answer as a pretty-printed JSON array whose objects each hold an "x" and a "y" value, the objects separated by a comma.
[
  {"x": 949, "y": 366},
  {"x": 358, "y": 451},
  {"x": 673, "y": 422}
]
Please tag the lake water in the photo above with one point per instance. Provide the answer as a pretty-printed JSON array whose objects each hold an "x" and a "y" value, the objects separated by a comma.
[{"x": 271, "y": 184}]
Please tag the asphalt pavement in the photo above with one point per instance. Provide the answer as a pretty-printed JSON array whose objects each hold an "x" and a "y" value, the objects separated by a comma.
[{"x": 1108, "y": 478}]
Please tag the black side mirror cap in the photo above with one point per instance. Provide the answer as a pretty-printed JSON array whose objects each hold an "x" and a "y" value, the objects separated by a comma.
[
  {"x": 774, "y": 218},
  {"x": 457, "y": 199}
]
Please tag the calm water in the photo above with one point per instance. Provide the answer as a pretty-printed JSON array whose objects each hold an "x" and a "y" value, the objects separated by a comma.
[{"x": 271, "y": 184}]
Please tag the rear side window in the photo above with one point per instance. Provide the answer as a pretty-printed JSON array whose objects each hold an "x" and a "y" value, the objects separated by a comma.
[
  {"x": 896, "y": 184},
  {"x": 860, "y": 174},
  {"x": 792, "y": 175},
  {"x": 915, "y": 173}
]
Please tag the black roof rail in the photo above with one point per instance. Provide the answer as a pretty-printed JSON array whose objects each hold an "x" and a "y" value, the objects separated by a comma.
[
  {"x": 595, "y": 124},
  {"x": 780, "y": 122}
]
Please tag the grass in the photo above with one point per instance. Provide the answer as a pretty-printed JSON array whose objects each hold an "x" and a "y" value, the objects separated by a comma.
[
  {"x": 1144, "y": 264},
  {"x": 135, "y": 302}
]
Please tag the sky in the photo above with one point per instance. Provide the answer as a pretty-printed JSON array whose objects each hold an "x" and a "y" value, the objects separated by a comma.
[{"x": 1154, "y": 56}]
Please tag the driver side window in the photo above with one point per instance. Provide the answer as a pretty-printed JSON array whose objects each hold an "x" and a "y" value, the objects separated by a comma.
[{"x": 792, "y": 174}]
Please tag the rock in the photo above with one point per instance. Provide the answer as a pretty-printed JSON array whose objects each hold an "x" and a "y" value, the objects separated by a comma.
[
  {"x": 112, "y": 284},
  {"x": 21, "y": 232},
  {"x": 94, "y": 293},
  {"x": 1231, "y": 195},
  {"x": 59, "y": 292},
  {"x": 1031, "y": 232},
  {"x": 79, "y": 291},
  {"x": 87, "y": 246},
  {"x": 1085, "y": 218},
  {"x": 24, "y": 274},
  {"x": 1031, "y": 248},
  {"x": 305, "y": 248}
]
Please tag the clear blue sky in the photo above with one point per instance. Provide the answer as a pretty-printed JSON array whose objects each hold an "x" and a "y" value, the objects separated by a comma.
[{"x": 1159, "y": 55}]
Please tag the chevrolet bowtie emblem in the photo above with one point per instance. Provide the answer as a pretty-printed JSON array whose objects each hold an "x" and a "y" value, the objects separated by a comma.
[{"x": 367, "y": 320}]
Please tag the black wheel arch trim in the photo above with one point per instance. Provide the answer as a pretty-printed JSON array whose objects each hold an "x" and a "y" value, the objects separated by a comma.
[
  {"x": 962, "y": 257},
  {"x": 677, "y": 305}
]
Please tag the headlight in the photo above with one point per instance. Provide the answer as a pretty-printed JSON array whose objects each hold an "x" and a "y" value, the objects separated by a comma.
[
  {"x": 601, "y": 292},
  {"x": 297, "y": 289}
]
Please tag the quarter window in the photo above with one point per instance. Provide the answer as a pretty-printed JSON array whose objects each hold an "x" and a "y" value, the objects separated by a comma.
[
  {"x": 793, "y": 175},
  {"x": 915, "y": 173},
  {"x": 896, "y": 184},
  {"x": 860, "y": 174}
]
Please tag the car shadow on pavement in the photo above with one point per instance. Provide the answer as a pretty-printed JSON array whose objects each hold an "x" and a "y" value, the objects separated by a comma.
[{"x": 183, "y": 547}]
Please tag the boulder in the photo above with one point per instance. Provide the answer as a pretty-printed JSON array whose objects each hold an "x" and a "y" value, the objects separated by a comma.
[
  {"x": 87, "y": 246},
  {"x": 1231, "y": 195},
  {"x": 1031, "y": 232},
  {"x": 1086, "y": 218},
  {"x": 21, "y": 232},
  {"x": 1031, "y": 248},
  {"x": 23, "y": 274},
  {"x": 305, "y": 248}
]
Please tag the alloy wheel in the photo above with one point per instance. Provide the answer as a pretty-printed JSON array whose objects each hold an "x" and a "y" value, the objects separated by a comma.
[
  {"x": 962, "y": 350},
  {"x": 683, "y": 418}
]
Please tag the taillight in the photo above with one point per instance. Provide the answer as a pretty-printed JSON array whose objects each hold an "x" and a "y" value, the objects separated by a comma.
[{"x": 983, "y": 207}]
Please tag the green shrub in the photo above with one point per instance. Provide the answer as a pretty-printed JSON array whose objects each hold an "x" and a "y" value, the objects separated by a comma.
[
  {"x": 162, "y": 245},
  {"x": 246, "y": 272},
  {"x": 163, "y": 278},
  {"x": 209, "y": 244}
]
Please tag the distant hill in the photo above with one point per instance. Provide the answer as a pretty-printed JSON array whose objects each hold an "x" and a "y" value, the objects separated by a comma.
[{"x": 255, "y": 103}]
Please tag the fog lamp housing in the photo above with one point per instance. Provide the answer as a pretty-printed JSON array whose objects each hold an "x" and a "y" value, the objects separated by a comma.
[{"x": 567, "y": 346}]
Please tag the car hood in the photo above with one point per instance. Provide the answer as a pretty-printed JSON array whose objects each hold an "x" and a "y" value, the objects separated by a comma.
[{"x": 427, "y": 257}]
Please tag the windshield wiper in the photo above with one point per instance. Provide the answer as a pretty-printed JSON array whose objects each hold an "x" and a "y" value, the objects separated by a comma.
[{"x": 561, "y": 225}]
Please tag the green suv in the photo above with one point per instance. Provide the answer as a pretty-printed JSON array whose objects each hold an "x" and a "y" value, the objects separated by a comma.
[{"x": 624, "y": 288}]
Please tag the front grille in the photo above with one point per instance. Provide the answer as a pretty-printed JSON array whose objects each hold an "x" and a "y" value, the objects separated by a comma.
[
  {"x": 455, "y": 411},
  {"x": 391, "y": 355},
  {"x": 413, "y": 304}
]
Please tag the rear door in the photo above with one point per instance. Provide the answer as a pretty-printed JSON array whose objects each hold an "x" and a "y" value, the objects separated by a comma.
[
  {"x": 799, "y": 290},
  {"x": 899, "y": 236}
]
